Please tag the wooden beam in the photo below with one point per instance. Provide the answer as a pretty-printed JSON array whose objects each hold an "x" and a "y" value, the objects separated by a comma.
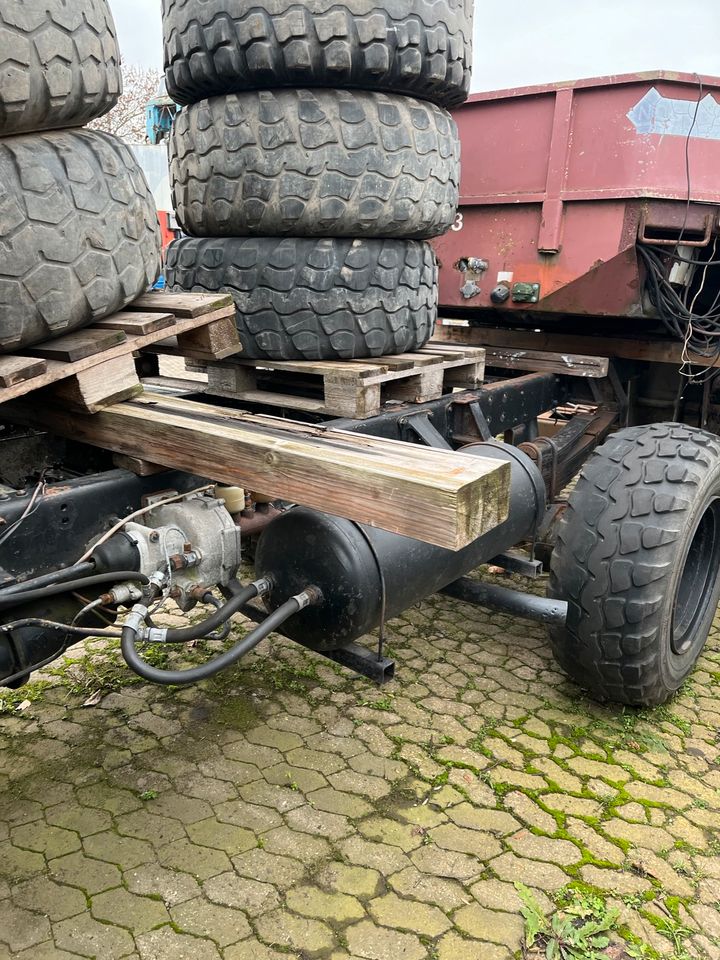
[
  {"x": 569, "y": 364},
  {"x": 445, "y": 498},
  {"x": 657, "y": 351}
]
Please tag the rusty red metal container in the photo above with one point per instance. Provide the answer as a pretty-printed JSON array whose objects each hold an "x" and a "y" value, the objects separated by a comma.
[{"x": 560, "y": 182}]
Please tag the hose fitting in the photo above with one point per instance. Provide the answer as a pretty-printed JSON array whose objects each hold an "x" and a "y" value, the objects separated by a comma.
[
  {"x": 135, "y": 620},
  {"x": 124, "y": 593}
]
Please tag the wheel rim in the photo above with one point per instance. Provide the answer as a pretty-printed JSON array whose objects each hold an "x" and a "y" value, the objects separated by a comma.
[{"x": 695, "y": 588}]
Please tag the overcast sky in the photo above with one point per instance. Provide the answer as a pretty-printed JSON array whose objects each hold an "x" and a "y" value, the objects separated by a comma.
[{"x": 521, "y": 42}]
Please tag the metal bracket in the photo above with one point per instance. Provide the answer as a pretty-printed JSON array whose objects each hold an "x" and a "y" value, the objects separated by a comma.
[
  {"x": 363, "y": 661},
  {"x": 421, "y": 426},
  {"x": 514, "y": 563},
  {"x": 480, "y": 420}
]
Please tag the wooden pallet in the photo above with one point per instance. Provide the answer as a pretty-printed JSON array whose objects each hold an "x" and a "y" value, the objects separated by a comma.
[
  {"x": 91, "y": 368},
  {"x": 350, "y": 388}
]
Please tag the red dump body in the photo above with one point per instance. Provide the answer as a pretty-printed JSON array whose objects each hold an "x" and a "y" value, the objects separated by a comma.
[{"x": 559, "y": 181}]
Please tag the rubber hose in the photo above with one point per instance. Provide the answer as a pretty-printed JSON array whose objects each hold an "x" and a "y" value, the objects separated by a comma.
[
  {"x": 18, "y": 599},
  {"x": 48, "y": 579},
  {"x": 206, "y": 670},
  {"x": 200, "y": 630}
]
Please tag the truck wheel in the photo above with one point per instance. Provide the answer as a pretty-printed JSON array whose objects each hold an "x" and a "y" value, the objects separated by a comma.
[
  {"x": 418, "y": 47},
  {"x": 59, "y": 64},
  {"x": 78, "y": 233},
  {"x": 315, "y": 163},
  {"x": 303, "y": 299},
  {"x": 638, "y": 560}
]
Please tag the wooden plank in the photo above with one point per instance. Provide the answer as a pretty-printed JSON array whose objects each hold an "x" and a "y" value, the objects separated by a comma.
[
  {"x": 271, "y": 399},
  {"x": 57, "y": 370},
  {"x": 136, "y": 323},
  {"x": 449, "y": 350},
  {"x": 445, "y": 498},
  {"x": 356, "y": 369},
  {"x": 173, "y": 385},
  {"x": 78, "y": 345},
  {"x": 99, "y": 386},
  {"x": 390, "y": 363},
  {"x": 19, "y": 369},
  {"x": 569, "y": 364},
  {"x": 183, "y": 305},
  {"x": 420, "y": 359},
  {"x": 659, "y": 351}
]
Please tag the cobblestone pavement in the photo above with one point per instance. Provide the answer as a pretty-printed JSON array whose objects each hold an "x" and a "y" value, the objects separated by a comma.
[{"x": 290, "y": 810}]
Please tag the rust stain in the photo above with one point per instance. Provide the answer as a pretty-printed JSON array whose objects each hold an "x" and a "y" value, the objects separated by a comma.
[{"x": 57, "y": 491}]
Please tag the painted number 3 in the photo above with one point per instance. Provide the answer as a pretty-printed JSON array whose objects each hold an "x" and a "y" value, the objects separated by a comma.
[{"x": 458, "y": 225}]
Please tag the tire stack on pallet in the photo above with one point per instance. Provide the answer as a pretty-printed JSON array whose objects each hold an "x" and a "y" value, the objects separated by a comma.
[
  {"x": 79, "y": 237},
  {"x": 313, "y": 159}
]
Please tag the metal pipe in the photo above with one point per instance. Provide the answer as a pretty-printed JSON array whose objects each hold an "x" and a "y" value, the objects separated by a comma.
[
  {"x": 525, "y": 605},
  {"x": 254, "y": 522}
]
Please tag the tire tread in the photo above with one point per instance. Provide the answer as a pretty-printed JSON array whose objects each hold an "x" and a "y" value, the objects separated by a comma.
[
  {"x": 59, "y": 64},
  {"x": 314, "y": 163},
  {"x": 312, "y": 299},
  {"x": 616, "y": 545},
  {"x": 79, "y": 233},
  {"x": 422, "y": 47}
]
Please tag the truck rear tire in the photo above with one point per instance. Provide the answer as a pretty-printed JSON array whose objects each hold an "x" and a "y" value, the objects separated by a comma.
[
  {"x": 315, "y": 163},
  {"x": 59, "y": 64},
  {"x": 422, "y": 48},
  {"x": 305, "y": 299},
  {"x": 638, "y": 561},
  {"x": 78, "y": 233}
]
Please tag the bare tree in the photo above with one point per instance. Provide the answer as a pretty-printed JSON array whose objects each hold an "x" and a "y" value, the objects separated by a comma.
[{"x": 127, "y": 119}]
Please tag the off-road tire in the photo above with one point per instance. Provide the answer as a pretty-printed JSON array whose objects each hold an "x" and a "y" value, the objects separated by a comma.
[
  {"x": 418, "y": 47},
  {"x": 59, "y": 64},
  {"x": 79, "y": 236},
  {"x": 637, "y": 559},
  {"x": 306, "y": 299},
  {"x": 315, "y": 163}
]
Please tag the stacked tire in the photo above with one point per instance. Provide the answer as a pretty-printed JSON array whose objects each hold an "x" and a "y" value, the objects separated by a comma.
[
  {"x": 79, "y": 237},
  {"x": 312, "y": 160}
]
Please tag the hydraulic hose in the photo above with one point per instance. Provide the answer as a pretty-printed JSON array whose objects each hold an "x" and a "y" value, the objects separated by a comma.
[
  {"x": 241, "y": 649},
  {"x": 48, "y": 579},
  {"x": 200, "y": 630},
  {"x": 224, "y": 632},
  {"x": 69, "y": 586}
]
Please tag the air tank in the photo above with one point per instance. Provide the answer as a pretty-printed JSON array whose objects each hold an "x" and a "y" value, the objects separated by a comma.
[{"x": 365, "y": 573}]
